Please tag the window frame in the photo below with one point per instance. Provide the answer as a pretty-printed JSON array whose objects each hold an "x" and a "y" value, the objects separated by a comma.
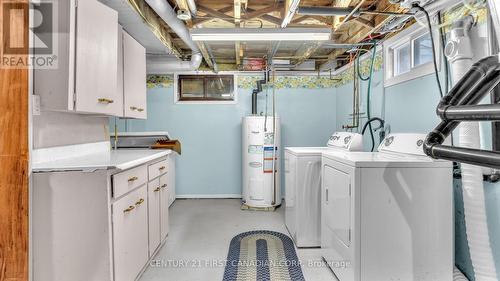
[
  {"x": 407, "y": 36},
  {"x": 205, "y": 99}
]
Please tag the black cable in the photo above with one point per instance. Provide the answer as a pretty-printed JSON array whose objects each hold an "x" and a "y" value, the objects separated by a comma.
[
  {"x": 443, "y": 46},
  {"x": 434, "y": 60},
  {"x": 368, "y": 124}
]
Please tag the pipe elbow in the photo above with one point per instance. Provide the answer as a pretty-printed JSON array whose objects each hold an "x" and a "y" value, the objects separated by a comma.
[{"x": 432, "y": 139}]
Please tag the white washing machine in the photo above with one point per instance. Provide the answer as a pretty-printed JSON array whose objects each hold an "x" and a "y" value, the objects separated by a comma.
[
  {"x": 388, "y": 215},
  {"x": 303, "y": 186}
]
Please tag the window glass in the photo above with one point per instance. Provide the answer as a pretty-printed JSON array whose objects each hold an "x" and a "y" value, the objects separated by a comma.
[
  {"x": 422, "y": 50},
  {"x": 206, "y": 87},
  {"x": 191, "y": 88},
  {"x": 402, "y": 59},
  {"x": 219, "y": 88}
]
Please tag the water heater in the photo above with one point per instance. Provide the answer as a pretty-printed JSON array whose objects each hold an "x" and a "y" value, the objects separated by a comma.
[{"x": 261, "y": 161}]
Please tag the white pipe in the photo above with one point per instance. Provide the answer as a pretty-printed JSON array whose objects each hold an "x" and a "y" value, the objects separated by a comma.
[
  {"x": 165, "y": 11},
  {"x": 460, "y": 54},
  {"x": 192, "y": 7}
]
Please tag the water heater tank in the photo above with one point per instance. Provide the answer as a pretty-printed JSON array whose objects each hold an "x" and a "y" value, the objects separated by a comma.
[{"x": 261, "y": 155}]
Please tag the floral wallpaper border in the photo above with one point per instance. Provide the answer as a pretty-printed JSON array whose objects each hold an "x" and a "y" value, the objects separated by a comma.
[{"x": 284, "y": 82}]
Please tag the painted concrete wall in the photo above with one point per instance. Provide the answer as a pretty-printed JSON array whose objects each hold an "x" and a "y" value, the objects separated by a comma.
[{"x": 210, "y": 164}]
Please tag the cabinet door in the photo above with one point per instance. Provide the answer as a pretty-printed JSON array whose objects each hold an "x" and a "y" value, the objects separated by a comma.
[
  {"x": 171, "y": 178},
  {"x": 130, "y": 234},
  {"x": 134, "y": 78},
  {"x": 164, "y": 204},
  {"x": 96, "y": 62},
  {"x": 154, "y": 215}
]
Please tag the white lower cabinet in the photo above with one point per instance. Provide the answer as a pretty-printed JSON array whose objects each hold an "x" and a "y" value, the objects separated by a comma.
[
  {"x": 164, "y": 204},
  {"x": 99, "y": 226},
  {"x": 130, "y": 234},
  {"x": 154, "y": 191}
]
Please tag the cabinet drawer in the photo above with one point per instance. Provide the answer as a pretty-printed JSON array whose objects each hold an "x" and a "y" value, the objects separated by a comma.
[
  {"x": 157, "y": 169},
  {"x": 128, "y": 180},
  {"x": 130, "y": 234}
]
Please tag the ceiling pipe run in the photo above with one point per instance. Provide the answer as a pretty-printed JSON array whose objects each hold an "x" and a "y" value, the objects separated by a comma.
[{"x": 167, "y": 14}]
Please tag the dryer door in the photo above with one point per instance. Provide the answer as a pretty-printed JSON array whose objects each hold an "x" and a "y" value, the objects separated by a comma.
[{"x": 338, "y": 204}]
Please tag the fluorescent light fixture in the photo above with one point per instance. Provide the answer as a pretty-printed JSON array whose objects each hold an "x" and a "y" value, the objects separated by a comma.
[{"x": 260, "y": 34}]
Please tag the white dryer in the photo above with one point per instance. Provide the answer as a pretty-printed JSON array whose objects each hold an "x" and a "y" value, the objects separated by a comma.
[
  {"x": 303, "y": 186},
  {"x": 388, "y": 215}
]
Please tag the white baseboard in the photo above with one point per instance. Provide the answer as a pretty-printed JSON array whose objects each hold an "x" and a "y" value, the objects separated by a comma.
[{"x": 208, "y": 196}]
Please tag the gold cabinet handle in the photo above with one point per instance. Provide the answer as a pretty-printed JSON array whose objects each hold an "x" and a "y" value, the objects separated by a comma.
[
  {"x": 162, "y": 168},
  {"x": 133, "y": 108},
  {"x": 105, "y": 100},
  {"x": 157, "y": 189},
  {"x": 164, "y": 185},
  {"x": 132, "y": 179},
  {"x": 139, "y": 202},
  {"x": 140, "y": 109},
  {"x": 130, "y": 208}
]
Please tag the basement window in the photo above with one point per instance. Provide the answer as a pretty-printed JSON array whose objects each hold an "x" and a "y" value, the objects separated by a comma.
[
  {"x": 205, "y": 88},
  {"x": 408, "y": 55}
]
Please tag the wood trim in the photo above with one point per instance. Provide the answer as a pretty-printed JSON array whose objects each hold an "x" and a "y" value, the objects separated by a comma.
[{"x": 14, "y": 153}]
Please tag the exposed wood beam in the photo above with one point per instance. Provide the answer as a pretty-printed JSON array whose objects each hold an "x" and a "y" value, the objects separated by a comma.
[
  {"x": 365, "y": 22},
  {"x": 341, "y": 4},
  {"x": 267, "y": 18},
  {"x": 204, "y": 20},
  {"x": 216, "y": 13},
  {"x": 205, "y": 54},
  {"x": 261, "y": 12},
  {"x": 324, "y": 20},
  {"x": 363, "y": 32}
]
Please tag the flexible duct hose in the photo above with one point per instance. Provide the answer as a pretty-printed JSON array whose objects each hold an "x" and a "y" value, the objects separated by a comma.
[
  {"x": 458, "y": 275},
  {"x": 459, "y": 52}
]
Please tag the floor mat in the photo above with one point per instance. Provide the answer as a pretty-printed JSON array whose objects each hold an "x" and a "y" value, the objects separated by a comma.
[{"x": 262, "y": 255}]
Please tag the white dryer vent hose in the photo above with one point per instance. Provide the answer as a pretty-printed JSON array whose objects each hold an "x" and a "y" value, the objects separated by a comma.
[{"x": 460, "y": 54}]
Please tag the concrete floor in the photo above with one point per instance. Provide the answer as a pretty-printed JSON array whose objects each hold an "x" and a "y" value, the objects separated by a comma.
[{"x": 200, "y": 232}]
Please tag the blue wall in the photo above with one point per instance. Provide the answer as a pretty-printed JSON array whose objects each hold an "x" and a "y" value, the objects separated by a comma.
[{"x": 210, "y": 164}]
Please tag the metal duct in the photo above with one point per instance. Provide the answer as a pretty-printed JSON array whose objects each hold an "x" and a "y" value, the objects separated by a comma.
[
  {"x": 326, "y": 11},
  {"x": 167, "y": 13}
]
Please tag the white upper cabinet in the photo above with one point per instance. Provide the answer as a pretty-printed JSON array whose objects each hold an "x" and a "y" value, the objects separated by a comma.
[
  {"x": 134, "y": 78},
  {"x": 85, "y": 79}
]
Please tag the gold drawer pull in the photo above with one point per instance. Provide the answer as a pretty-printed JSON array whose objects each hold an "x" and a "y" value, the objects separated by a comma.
[
  {"x": 139, "y": 202},
  {"x": 162, "y": 168},
  {"x": 140, "y": 109},
  {"x": 132, "y": 179},
  {"x": 157, "y": 189},
  {"x": 164, "y": 185},
  {"x": 105, "y": 100},
  {"x": 130, "y": 208},
  {"x": 133, "y": 108}
]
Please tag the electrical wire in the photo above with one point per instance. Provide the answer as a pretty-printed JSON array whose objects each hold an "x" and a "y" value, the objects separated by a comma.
[{"x": 434, "y": 60}]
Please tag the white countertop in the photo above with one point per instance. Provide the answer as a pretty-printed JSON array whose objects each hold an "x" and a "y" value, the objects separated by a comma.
[{"x": 95, "y": 159}]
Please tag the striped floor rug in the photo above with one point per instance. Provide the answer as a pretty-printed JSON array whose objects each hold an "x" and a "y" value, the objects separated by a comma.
[{"x": 262, "y": 256}]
